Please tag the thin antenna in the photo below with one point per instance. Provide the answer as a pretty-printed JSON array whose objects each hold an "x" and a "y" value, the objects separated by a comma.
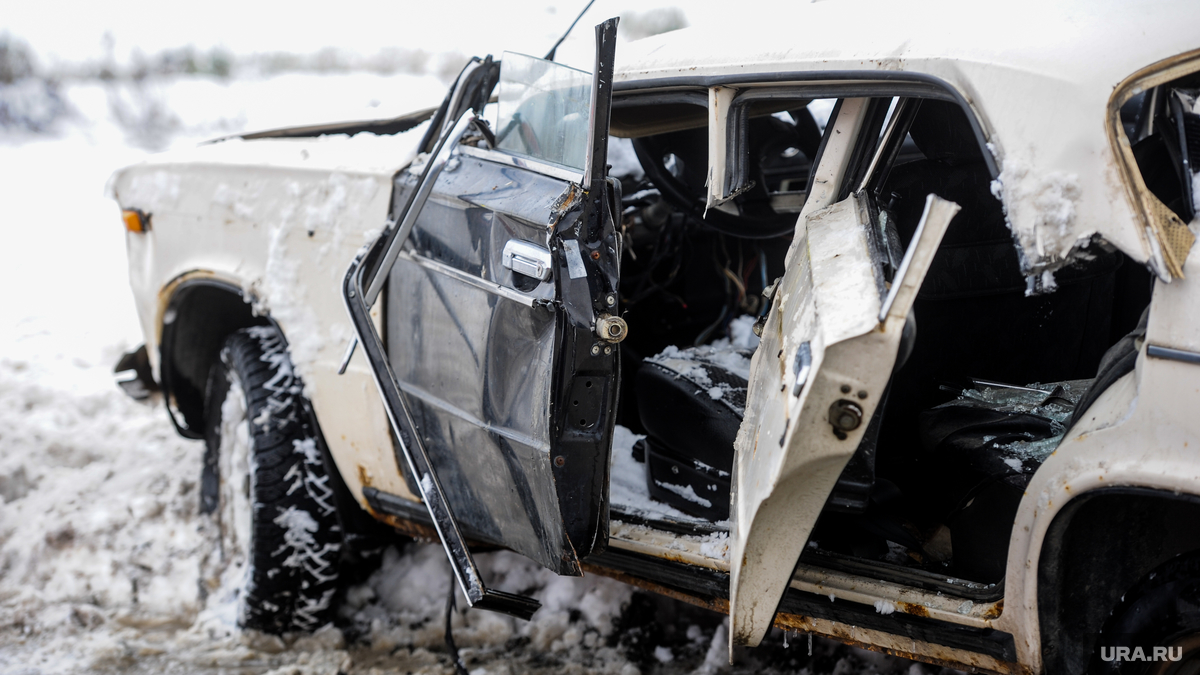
[{"x": 550, "y": 54}]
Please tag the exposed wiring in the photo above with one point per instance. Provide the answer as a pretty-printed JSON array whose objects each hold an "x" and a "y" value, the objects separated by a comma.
[
  {"x": 459, "y": 667},
  {"x": 737, "y": 282},
  {"x": 749, "y": 272},
  {"x": 707, "y": 332},
  {"x": 732, "y": 281},
  {"x": 554, "y": 49},
  {"x": 669, "y": 245}
]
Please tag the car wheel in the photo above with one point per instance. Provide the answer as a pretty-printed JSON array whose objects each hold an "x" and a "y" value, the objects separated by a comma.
[
  {"x": 273, "y": 563},
  {"x": 1155, "y": 628}
]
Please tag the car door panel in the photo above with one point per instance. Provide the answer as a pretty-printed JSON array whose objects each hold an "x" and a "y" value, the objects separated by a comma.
[
  {"x": 475, "y": 354},
  {"x": 824, "y": 362},
  {"x": 500, "y": 395}
]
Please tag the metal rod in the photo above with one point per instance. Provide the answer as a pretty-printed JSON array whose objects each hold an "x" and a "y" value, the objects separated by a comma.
[
  {"x": 550, "y": 54},
  {"x": 1157, "y": 352},
  {"x": 434, "y": 168},
  {"x": 457, "y": 96},
  {"x": 347, "y": 355},
  {"x": 1004, "y": 385}
]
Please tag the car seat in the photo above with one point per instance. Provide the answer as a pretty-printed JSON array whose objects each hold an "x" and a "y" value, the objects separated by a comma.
[
  {"x": 975, "y": 317},
  {"x": 691, "y": 403}
]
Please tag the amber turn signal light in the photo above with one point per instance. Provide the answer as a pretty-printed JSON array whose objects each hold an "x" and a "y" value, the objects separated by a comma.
[{"x": 135, "y": 220}]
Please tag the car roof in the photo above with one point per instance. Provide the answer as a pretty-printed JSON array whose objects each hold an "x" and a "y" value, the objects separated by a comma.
[
  {"x": 1038, "y": 75},
  {"x": 1090, "y": 43}
]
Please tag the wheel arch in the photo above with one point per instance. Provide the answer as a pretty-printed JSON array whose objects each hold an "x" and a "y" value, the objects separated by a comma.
[
  {"x": 198, "y": 311},
  {"x": 1098, "y": 545}
]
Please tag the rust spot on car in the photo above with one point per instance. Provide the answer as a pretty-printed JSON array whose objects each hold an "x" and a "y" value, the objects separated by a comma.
[
  {"x": 715, "y": 604},
  {"x": 938, "y": 655},
  {"x": 364, "y": 476},
  {"x": 912, "y": 608},
  {"x": 995, "y": 610},
  {"x": 935, "y": 654},
  {"x": 417, "y": 531}
]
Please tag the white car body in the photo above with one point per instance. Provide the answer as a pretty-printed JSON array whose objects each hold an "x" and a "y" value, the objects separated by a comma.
[{"x": 281, "y": 218}]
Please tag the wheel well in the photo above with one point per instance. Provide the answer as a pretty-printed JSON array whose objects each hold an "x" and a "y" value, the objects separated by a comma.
[
  {"x": 199, "y": 316},
  {"x": 1098, "y": 546}
]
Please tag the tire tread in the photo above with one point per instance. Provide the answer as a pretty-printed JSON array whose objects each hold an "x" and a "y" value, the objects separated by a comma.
[{"x": 292, "y": 584}]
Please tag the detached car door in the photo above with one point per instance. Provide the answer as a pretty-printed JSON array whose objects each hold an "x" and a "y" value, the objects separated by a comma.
[
  {"x": 821, "y": 370},
  {"x": 500, "y": 323}
]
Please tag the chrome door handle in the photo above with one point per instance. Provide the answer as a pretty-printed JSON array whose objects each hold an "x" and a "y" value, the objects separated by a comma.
[{"x": 525, "y": 258}]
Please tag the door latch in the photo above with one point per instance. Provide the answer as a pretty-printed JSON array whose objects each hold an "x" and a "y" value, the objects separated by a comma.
[{"x": 525, "y": 258}]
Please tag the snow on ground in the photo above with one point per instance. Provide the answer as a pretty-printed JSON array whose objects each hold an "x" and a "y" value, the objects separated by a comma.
[{"x": 99, "y": 532}]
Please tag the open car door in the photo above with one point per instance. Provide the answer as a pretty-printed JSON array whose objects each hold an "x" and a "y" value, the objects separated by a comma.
[
  {"x": 828, "y": 347},
  {"x": 498, "y": 370}
]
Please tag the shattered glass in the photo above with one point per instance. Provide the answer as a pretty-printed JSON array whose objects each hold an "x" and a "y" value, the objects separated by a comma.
[{"x": 1054, "y": 401}]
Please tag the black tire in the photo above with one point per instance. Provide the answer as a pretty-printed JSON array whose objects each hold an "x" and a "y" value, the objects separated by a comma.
[
  {"x": 267, "y": 491},
  {"x": 1161, "y": 611}
]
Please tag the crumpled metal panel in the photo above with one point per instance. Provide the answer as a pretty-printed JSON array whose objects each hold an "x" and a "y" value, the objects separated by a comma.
[{"x": 791, "y": 448}]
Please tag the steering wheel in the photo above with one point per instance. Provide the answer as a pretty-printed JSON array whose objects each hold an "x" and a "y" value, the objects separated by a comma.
[{"x": 683, "y": 198}]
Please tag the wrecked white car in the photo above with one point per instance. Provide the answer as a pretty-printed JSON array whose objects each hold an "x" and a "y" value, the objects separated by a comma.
[{"x": 530, "y": 318}]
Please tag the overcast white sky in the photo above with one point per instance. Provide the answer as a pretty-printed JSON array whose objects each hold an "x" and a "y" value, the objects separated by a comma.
[{"x": 63, "y": 30}]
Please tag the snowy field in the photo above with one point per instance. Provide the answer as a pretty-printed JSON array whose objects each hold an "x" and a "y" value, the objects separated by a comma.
[{"x": 99, "y": 532}]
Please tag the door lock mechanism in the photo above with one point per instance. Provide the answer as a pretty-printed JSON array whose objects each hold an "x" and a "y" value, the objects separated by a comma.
[{"x": 611, "y": 328}]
